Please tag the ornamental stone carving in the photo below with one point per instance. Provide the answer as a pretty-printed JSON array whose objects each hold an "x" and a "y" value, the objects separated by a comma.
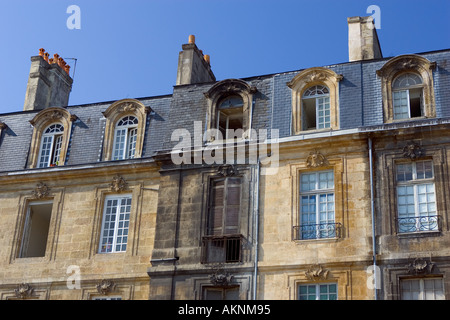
[
  {"x": 118, "y": 184},
  {"x": 227, "y": 170},
  {"x": 106, "y": 286},
  {"x": 41, "y": 191},
  {"x": 23, "y": 291},
  {"x": 316, "y": 273},
  {"x": 420, "y": 266},
  {"x": 220, "y": 277},
  {"x": 315, "y": 159},
  {"x": 412, "y": 151}
]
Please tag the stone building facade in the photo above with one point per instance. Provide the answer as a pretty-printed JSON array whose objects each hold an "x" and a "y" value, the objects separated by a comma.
[{"x": 324, "y": 183}]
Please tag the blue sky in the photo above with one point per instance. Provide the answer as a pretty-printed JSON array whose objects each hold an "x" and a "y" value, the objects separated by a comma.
[{"x": 129, "y": 49}]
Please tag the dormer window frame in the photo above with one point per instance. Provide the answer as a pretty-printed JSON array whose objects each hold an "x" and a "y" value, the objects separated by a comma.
[
  {"x": 114, "y": 114},
  {"x": 58, "y": 147},
  {"x": 220, "y": 92},
  {"x": 399, "y": 66},
  {"x": 301, "y": 83}
]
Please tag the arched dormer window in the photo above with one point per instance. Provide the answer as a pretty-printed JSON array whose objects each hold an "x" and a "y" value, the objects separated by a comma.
[
  {"x": 125, "y": 138},
  {"x": 125, "y": 130},
  {"x": 51, "y": 144},
  {"x": 407, "y": 88},
  {"x": 315, "y": 100},
  {"x": 316, "y": 108},
  {"x": 51, "y": 135},
  {"x": 229, "y": 109},
  {"x": 407, "y": 96}
]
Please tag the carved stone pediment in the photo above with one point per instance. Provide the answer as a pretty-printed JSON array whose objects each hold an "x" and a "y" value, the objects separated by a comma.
[
  {"x": 412, "y": 151},
  {"x": 227, "y": 170},
  {"x": 105, "y": 286},
  {"x": 23, "y": 291},
  {"x": 41, "y": 191},
  {"x": 316, "y": 273},
  {"x": 118, "y": 184},
  {"x": 420, "y": 266},
  {"x": 315, "y": 159}
]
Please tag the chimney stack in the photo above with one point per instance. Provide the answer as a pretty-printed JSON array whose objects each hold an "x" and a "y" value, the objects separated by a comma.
[
  {"x": 49, "y": 82},
  {"x": 363, "y": 41},
  {"x": 193, "y": 66}
]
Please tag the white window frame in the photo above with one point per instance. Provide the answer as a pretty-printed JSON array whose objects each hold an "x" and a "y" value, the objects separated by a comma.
[
  {"x": 321, "y": 99},
  {"x": 416, "y": 183},
  {"x": 317, "y": 289},
  {"x": 422, "y": 290},
  {"x": 53, "y": 143},
  {"x": 127, "y": 147},
  {"x": 317, "y": 192},
  {"x": 407, "y": 90},
  {"x": 118, "y": 231}
]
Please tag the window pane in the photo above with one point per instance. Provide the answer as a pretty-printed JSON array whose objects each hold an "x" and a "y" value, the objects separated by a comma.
[
  {"x": 401, "y": 104},
  {"x": 404, "y": 172}
]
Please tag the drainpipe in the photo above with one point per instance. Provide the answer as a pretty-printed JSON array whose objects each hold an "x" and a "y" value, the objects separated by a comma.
[
  {"x": 255, "y": 275},
  {"x": 374, "y": 255}
]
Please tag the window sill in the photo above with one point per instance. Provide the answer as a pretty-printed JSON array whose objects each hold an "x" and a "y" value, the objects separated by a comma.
[
  {"x": 318, "y": 240},
  {"x": 419, "y": 234}
]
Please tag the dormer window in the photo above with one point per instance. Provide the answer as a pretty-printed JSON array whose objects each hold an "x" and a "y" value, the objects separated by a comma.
[
  {"x": 125, "y": 138},
  {"x": 51, "y": 146},
  {"x": 407, "y": 95},
  {"x": 125, "y": 130},
  {"x": 316, "y": 108},
  {"x": 230, "y": 116}
]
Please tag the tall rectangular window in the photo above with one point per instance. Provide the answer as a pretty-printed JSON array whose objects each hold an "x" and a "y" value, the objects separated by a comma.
[
  {"x": 416, "y": 201},
  {"x": 115, "y": 224},
  {"x": 320, "y": 291},
  {"x": 35, "y": 230},
  {"x": 222, "y": 242},
  {"x": 422, "y": 289},
  {"x": 317, "y": 218}
]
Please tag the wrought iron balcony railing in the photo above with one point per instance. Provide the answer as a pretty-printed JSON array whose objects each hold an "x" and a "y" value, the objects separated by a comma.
[
  {"x": 221, "y": 249},
  {"x": 418, "y": 224},
  {"x": 317, "y": 231}
]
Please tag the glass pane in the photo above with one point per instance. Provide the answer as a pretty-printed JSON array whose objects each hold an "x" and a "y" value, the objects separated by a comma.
[
  {"x": 401, "y": 104},
  {"x": 406, "y": 80}
]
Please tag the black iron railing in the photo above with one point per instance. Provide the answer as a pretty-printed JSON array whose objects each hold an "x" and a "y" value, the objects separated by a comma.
[
  {"x": 418, "y": 224},
  {"x": 317, "y": 231},
  {"x": 221, "y": 249}
]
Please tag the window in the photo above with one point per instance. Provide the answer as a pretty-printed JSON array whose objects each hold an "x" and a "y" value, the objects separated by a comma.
[
  {"x": 230, "y": 117},
  {"x": 321, "y": 291},
  {"x": 222, "y": 242},
  {"x": 407, "y": 94},
  {"x": 35, "y": 230},
  {"x": 407, "y": 88},
  {"x": 316, "y": 108},
  {"x": 416, "y": 202},
  {"x": 315, "y": 100},
  {"x": 230, "y": 105},
  {"x": 51, "y": 146},
  {"x": 213, "y": 293},
  {"x": 422, "y": 289},
  {"x": 317, "y": 218},
  {"x": 125, "y": 138},
  {"x": 115, "y": 224}
]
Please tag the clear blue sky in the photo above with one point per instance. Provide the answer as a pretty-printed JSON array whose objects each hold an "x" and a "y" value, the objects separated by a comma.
[{"x": 129, "y": 49}]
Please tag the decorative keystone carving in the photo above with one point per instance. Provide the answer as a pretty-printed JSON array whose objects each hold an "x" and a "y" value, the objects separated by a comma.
[
  {"x": 227, "y": 170},
  {"x": 118, "y": 184},
  {"x": 315, "y": 159},
  {"x": 41, "y": 191},
  {"x": 420, "y": 266},
  {"x": 24, "y": 290},
  {"x": 220, "y": 277},
  {"x": 2, "y": 126},
  {"x": 412, "y": 151},
  {"x": 316, "y": 273},
  {"x": 106, "y": 286}
]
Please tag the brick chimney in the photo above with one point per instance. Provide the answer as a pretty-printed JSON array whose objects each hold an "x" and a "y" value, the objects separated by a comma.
[
  {"x": 49, "y": 82},
  {"x": 363, "y": 41},
  {"x": 193, "y": 66}
]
